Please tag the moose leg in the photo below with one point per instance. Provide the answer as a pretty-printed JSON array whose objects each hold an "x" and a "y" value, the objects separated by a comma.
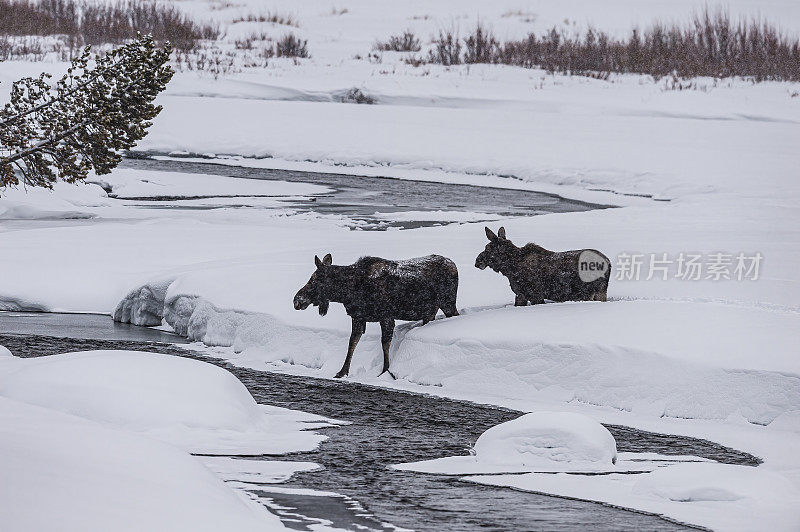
[
  {"x": 450, "y": 310},
  {"x": 519, "y": 298},
  {"x": 387, "y": 331},
  {"x": 359, "y": 326}
]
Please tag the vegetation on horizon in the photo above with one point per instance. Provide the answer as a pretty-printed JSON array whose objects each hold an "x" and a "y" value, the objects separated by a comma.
[
  {"x": 711, "y": 45},
  {"x": 82, "y": 23}
]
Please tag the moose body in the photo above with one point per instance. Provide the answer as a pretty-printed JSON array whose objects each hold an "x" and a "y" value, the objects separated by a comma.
[
  {"x": 536, "y": 273},
  {"x": 381, "y": 290}
]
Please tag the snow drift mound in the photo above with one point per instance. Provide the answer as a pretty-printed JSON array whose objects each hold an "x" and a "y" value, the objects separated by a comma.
[
  {"x": 541, "y": 438},
  {"x": 134, "y": 389},
  {"x": 192, "y": 404},
  {"x": 4, "y": 352},
  {"x": 101, "y": 479}
]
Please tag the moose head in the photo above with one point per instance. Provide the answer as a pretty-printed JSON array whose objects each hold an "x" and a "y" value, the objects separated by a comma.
[
  {"x": 315, "y": 290},
  {"x": 498, "y": 253}
]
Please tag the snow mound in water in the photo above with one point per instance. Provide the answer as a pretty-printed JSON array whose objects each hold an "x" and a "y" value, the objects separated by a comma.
[
  {"x": 542, "y": 438},
  {"x": 714, "y": 482},
  {"x": 192, "y": 404}
]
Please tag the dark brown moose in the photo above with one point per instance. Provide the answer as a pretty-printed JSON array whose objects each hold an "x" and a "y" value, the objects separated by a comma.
[
  {"x": 381, "y": 290},
  {"x": 536, "y": 273}
]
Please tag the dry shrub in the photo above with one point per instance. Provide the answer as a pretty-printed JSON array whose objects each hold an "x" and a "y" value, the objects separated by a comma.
[
  {"x": 405, "y": 42},
  {"x": 283, "y": 19},
  {"x": 711, "y": 45},
  {"x": 291, "y": 46},
  {"x": 100, "y": 23}
]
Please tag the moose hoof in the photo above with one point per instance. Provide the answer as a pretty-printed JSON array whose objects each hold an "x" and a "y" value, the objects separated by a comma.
[
  {"x": 340, "y": 375},
  {"x": 389, "y": 372}
]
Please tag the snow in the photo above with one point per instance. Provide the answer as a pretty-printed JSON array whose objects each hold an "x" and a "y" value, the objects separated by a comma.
[
  {"x": 716, "y": 496},
  {"x": 144, "y": 305},
  {"x": 546, "y": 437},
  {"x": 255, "y": 471},
  {"x": 193, "y": 405},
  {"x": 61, "y": 471},
  {"x": 65, "y": 201},
  {"x": 716, "y": 360},
  {"x": 627, "y": 462},
  {"x": 577, "y": 352}
]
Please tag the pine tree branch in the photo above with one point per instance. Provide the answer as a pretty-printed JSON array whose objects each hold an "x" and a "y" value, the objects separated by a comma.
[
  {"x": 45, "y": 143},
  {"x": 61, "y": 136},
  {"x": 60, "y": 97}
]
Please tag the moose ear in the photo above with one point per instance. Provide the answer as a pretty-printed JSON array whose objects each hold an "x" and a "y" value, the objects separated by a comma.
[
  {"x": 490, "y": 235},
  {"x": 327, "y": 260},
  {"x": 317, "y": 262},
  {"x": 502, "y": 233}
]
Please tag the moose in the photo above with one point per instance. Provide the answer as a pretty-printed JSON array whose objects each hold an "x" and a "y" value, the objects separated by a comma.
[
  {"x": 380, "y": 290},
  {"x": 536, "y": 273}
]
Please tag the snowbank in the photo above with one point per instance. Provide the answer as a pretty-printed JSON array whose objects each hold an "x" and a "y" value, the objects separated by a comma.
[
  {"x": 258, "y": 334},
  {"x": 99, "y": 479},
  {"x": 617, "y": 354},
  {"x": 553, "y": 353},
  {"x": 194, "y": 405},
  {"x": 713, "y": 482},
  {"x": 144, "y": 305},
  {"x": 65, "y": 202},
  {"x": 717, "y": 496},
  {"x": 546, "y": 437}
]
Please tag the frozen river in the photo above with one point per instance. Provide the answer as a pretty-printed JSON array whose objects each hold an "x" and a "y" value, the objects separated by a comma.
[{"x": 374, "y": 203}]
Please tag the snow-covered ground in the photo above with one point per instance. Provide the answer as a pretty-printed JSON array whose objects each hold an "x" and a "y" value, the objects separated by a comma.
[
  {"x": 716, "y": 359},
  {"x": 100, "y": 440}
]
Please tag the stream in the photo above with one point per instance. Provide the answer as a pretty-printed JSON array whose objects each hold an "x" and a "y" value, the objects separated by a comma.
[
  {"x": 387, "y": 427},
  {"x": 373, "y": 203}
]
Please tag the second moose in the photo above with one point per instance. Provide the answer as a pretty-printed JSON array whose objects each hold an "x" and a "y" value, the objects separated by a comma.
[{"x": 536, "y": 273}]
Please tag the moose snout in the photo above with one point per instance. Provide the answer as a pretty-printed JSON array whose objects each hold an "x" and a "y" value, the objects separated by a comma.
[
  {"x": 300, "y": 302},
  {"x": 480, "y": 263}
]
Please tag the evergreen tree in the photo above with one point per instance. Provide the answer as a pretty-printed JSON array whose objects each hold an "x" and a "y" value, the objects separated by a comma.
[{"x": 100, "y": 107}]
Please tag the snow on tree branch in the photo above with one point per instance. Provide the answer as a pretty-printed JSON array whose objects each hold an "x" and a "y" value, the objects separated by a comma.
[{"x": 100, "y": 107}]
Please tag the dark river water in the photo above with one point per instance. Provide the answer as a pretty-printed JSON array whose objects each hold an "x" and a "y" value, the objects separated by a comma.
[
  {"x": 387, "y": 427},
  {"x": 359, "y": 198}
]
